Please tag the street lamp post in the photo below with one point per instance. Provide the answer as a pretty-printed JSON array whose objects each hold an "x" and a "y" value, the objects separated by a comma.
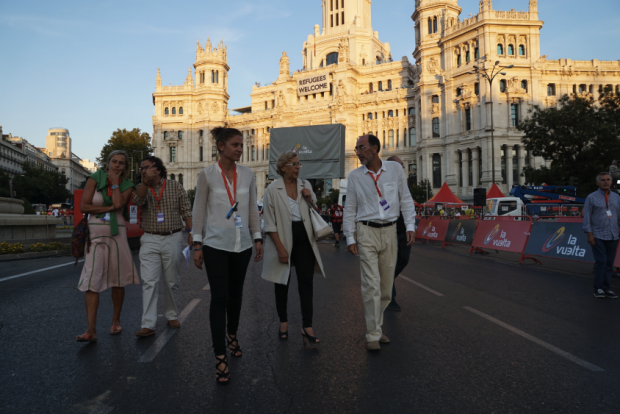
[{"x": 490, "y": 77}]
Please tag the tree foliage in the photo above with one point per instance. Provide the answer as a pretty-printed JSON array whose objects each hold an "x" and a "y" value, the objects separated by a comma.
[
  {"x": 37, "y": 185},
  {"x": 420, "y": 192},
  {"x": 136, "y": 143},
  {"x": 580, "y": 137}
]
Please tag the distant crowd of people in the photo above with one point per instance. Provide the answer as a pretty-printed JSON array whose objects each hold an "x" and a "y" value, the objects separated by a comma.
[{"x": 378, "y": 220}]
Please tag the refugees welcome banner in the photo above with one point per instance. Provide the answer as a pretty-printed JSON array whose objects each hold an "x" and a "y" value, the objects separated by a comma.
[{"x": 312, "y": 84}]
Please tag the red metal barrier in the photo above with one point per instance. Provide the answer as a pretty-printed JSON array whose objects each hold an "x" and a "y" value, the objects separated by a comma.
[
  {"x": 506, "y": 233},
  {"x": 432, "y": 229}
]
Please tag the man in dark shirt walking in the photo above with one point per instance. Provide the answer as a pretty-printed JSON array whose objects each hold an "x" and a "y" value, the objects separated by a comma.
[
  {"x": 404, "y": 251},
  {"x": 336, "y": 212},
  {"x": 600, "y": 222}
]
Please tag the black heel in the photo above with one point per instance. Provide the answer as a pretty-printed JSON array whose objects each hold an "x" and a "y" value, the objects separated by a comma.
[
  {"x": 283, "y": 335},
  {"x": 233, "y": 345},
  {"x": 219, "y": 373},
  {"x": 311, "y": 339}
]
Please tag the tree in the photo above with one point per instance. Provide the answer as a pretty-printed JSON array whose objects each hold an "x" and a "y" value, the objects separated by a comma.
[
  {"x": 134, "y": 142},
  {"x": 40, "y": 186},
  {"x": 578, "y": 136},
  {"x": 421, "y": 192}
]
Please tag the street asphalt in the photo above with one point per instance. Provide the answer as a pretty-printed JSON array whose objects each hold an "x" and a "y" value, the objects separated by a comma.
[{"x": 475, "y": 335}]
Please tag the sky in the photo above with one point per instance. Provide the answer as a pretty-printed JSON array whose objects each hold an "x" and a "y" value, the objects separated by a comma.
[{"x": 90, "y": 66}]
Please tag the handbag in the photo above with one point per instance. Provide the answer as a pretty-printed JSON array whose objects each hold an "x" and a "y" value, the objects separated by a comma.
[
  {"x": 80, "y": 239},
  {"x": 320, "y": 227}
]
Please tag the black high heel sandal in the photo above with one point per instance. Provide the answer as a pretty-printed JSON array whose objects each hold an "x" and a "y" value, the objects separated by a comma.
[
  {"x": 233, "y": 345},
  {"x": 219, "y": 373},
  {"x": 311, "y": 339},
  {"x": 283, "y": 335}
]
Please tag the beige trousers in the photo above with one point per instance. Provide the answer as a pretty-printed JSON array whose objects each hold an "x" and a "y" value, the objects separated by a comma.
[
  {"x": 159, "y": 255},
  {"x": 378, "y": 249}
]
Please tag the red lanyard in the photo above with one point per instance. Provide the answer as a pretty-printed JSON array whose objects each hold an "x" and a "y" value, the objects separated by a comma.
[
  {"x": 109, "y": 188},
  {"x": 161, "y": 192},
  {"x": 375, "y": 180},
  {"x": 230, "y": 196},
  {"x": 607, "y": 200}
]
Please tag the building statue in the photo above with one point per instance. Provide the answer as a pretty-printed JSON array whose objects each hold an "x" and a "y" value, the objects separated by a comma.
[{"x": 284, "y": 65}]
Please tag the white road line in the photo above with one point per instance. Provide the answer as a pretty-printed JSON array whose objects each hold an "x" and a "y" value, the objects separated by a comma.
[
  {"x": 434, "y": 292},
  {"x": 540, "y": 342},
  {"x": 161, "y": 341},
  {"x": 37, "y": 271},
  {"x": 207, "y": 287}
]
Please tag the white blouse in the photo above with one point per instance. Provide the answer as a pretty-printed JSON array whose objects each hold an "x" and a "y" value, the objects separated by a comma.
[
  {"x": 212, "y": 204},
  {"x": 294, "y": 209}
]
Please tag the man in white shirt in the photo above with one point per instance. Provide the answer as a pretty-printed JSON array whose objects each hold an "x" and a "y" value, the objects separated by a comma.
[{"x": 377, "y": 194}]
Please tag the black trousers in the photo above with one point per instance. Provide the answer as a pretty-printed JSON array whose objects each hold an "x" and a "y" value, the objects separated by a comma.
[
  {"x": 303, "y": 257},
  {"x": 226, "y": 272},
  {"x": 402, "y": 259}
]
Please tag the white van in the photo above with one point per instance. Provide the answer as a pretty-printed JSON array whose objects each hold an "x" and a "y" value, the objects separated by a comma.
[{"x": 342, "y": 197}]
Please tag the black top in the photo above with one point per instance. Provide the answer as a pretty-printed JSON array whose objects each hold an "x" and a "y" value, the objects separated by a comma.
[{"x": 400, "y": 225}]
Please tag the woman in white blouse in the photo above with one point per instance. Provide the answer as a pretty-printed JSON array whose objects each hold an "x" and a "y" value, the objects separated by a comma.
[
  {"x": 224, "y": 209},
  {"x": 291, "y": 242}
]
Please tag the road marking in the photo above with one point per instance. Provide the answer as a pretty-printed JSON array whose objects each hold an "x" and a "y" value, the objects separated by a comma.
[
  {"x": 161, "y": 341},
  {"x": 540, "y": 342},
  {"x": 434, "y": 292},
  {"x": 206, "y": 287},
  {"x": 37, "y": 271},
  {"x": 102, "y": 410}
]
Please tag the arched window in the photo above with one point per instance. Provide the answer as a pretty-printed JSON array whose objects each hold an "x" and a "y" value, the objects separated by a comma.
[
  {"x": 172, "y": 176},
  {"x": 180, "y": 134},
  {"x": 380, "y": 85},
  {"x": 212, "y": 76},
  {"x": 524, "y": 85},
  {"x": 412, "y": 138},
  {"x": 435, "y": 25},
  {"x": 412, "y": 111},
  {"x": 458, "y": 59},
  {"x": 551, "y": 89},
  {"x": 502, "y": 85},
  {"x": 213, "y": 153},
  {"x": 458, "y": 91},
  {"x": 174, "y": 111},
  {"x": 181, "y": 179},
  {"x": 390, "y": 114},
  {"x": 369, "y": 115},
  {"x": 500, "y": 49},
  {"x": 436, "y": 128},
  {"x": 180, "y": 110},
  {"x": 217, "y": 76},
  {"x": 165, "y": 134},
  {"x": 166, "y": 111},
  {"x": 521, "y": 50},
  {"x": 371, "y": 89},
  {"x": 331, "y": 59},
  {"x": 467, "y": 56},
  {"x": 430, "y": 26},
  {"x": 511, "y": 50}
]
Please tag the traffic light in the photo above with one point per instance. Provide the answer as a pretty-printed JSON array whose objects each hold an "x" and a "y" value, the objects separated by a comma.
[
  {"x": 564, "y": 180},
  {"x": 574, "y": 181}
]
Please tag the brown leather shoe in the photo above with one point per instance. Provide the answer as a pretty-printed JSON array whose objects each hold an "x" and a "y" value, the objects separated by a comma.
[
  {"x": 384, "y": 339},
  {"x": 373, "y": 346},
  {"x": 174, "y": 323},
  {"x": 144, "y": 332}
]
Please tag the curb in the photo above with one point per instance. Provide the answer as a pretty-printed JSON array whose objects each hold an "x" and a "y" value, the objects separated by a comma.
[{"x": 33, "y": 255}]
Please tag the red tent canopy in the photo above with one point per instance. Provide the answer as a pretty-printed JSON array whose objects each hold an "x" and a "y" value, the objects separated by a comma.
[
  {"x": 444, "y": 196},
  {"x": 495, "y": 192}
]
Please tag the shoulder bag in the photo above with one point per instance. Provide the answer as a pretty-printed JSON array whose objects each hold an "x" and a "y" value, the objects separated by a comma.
[{"x": 320, "y": 227}]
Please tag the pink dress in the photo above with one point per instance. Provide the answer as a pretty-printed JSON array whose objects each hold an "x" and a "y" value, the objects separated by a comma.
[{"x": 108, "y": 262}]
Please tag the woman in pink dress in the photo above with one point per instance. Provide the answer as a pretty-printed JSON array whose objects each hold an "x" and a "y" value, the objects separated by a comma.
[{"x": 108, "y": 262}]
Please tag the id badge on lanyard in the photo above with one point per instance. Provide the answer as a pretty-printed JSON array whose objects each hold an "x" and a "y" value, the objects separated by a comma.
[
  {"x": 382, "y": 201},
  {"x": 160, "y": 217},
  {"x": 106, "y": 217},
  {"x": 232, "y": 196}
]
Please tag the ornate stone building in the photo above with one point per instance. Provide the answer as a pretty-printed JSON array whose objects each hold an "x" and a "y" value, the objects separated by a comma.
[{"x": 435, "y": 113}]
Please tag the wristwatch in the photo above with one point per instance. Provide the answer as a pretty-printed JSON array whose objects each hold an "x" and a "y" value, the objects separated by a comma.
[
  {"x": 258, "y": 240},
  {"x": 115, "y": 186}
]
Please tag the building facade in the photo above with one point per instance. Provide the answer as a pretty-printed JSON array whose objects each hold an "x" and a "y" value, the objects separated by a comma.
[
  {"x": 34, "y": 155},
  {"x": 58, "y": 148},
  {"x": 434, "y": 113},
  {"x": 12, "y": 157}
]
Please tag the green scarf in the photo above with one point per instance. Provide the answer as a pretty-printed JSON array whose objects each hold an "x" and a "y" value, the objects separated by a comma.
[{"x": 101, "y": 178}]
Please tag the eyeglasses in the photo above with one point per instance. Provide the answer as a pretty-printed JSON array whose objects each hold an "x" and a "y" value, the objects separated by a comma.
[
  {"x": 360, "y": 148},
  {"x": 146, "y": 168},
  {"x": 295, "y": 164}
]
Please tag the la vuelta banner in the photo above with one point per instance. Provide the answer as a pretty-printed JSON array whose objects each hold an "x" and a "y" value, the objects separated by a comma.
[
  {"x": 561, "y": 240},
  {"x": 461, "y": 231},
  {"x": 503, "y": 233},
  {"x": 617, "y": 261},
  {"x": 432, "y": 229}
]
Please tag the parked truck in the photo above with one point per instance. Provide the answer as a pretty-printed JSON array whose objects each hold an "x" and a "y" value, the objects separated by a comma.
[{"x": 537, "y": 201}]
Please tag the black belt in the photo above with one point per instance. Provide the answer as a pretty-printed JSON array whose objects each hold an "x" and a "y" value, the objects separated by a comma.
[
  {"x": 164, "y": 233},
  {"x": 377, "y": 225}
]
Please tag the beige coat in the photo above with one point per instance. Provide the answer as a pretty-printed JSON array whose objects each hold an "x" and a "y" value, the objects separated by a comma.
[{"x": 278, "y": 218}]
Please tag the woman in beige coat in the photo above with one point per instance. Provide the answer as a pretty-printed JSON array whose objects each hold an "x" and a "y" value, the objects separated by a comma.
[{"x": 290, "y": 241}]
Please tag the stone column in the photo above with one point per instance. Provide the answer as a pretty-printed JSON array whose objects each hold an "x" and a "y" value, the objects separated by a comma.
[
  {"x": 521, "y": 164},
  {"x": 508, "y": 152},
  {"x": 465, "y": 171}
]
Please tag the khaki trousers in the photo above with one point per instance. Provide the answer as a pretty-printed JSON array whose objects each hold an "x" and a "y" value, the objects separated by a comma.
[
  {"x": 378, "y": 249},
  {"x": 159, "y": 255}
]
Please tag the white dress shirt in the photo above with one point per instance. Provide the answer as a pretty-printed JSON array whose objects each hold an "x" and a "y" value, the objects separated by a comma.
[
  {"x": 363, "y": 199},
  {"x": 295, "y": 212},
  {"x": 212, "y": 204}
]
